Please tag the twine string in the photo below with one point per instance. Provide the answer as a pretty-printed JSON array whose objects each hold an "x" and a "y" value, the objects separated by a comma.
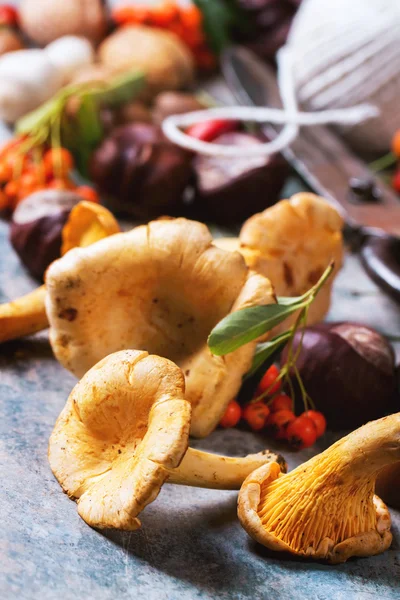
[{"x": 289, "y": 116}]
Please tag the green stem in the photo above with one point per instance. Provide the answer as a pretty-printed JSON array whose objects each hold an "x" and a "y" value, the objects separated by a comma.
[
  {"x": 383, "y": 162},
  {"x": 56, "y": 143},
  {"x": 324, "y": 277}
]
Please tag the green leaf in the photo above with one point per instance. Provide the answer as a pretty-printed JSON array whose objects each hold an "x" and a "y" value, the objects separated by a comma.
[
  {"x": 121, "y": 89},
  {"x": 268, "y": 350},
  {"x": 85, "y": 133},
  {"x": 220, "y": 17},
  {"x": 246, "y": 325}
]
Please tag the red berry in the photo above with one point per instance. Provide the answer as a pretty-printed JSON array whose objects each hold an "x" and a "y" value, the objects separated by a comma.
[
  {"x": 232, "y": 415},
  {"x": 396, "y": 143},
  {"x": 8, "y": 15},
  {"x": 278, "y": 422},
  {"x": 256, "y": 415},
  {"x": 58, "y": 162},
  {"x": 87, "y": 193},
  {"x": 302, "y": 433},
  {"x": 5, "y": 172},
  {"x": 209, "y": 130},
  {"x": 11, "y": 188},
  {"x": 281, "y": 402},
  {"x": 268, "y": 382},
  {"x": 58, "y": 184},
  {"x": 124, "y": 15},
  {"x": 396, "y": 181},
  {"x": 318, "y": 420}
]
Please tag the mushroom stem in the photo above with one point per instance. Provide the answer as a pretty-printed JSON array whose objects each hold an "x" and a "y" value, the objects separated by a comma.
[
  {"x": 203, "y": 469},
  {"x": 23, "y": 316},
  {"x": 364, "y": 452}
]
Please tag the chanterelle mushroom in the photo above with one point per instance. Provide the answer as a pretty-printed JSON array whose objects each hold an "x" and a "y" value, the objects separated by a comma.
[
  {"x": 326, "y": 508},
  {"x": 87, "y": 223},
  {"x": 292, "y": 243},
  {"x": 160, "y": 287},
  {"x": 124, "y": 432}
]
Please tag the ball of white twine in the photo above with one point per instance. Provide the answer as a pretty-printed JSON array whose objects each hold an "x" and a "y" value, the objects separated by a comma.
[{"x": 289, "y": 116}]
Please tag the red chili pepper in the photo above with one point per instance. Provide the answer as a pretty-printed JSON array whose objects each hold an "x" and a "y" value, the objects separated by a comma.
[
  {"x": 8, "y": 15},
  {"x": 209, "y": 130}
]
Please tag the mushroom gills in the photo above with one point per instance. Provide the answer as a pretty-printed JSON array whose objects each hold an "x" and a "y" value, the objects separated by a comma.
[{"x": 326, "y": 508}]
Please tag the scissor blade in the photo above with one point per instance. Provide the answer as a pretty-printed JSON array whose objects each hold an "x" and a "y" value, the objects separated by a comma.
[{"x": 318, "y": 154}]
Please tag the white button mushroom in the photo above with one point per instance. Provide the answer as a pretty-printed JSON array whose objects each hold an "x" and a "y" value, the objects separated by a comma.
[
  {"x": 27, "y": 79},
  {"x": 69, "y": 54}
]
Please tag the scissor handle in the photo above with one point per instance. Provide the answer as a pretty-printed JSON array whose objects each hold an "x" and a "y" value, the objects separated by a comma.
[{"x": 380, "y": 256}]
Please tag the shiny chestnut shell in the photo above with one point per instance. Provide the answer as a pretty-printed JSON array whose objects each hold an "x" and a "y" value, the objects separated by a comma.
[
  {"x": 140, "y": 172},
  {"x": 349, "y": 372},
  {"x": 36, "y": 226},
  {"x": 229, "y": 190}
]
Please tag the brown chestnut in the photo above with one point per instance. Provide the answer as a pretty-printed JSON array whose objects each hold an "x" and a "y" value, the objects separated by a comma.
[
  {"x": 174, "y": 103},
  {"x": 133, "y": 112},
  {"x": 349, "y": 372},
  {"x": 142, "y": 174},
  {"x": 230, "y": 190},
  {"x": 36, "y": 227}
]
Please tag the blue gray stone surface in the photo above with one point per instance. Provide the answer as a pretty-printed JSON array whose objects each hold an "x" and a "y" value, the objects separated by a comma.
[{"x": 191, "y": 545}]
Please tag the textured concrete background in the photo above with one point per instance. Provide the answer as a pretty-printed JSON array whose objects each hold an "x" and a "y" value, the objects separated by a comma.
[{"x": 191, "y": 545}]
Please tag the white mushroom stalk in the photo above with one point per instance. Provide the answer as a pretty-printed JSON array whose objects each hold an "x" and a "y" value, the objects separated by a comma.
[
  {"x": 203, "y": 469},
  {"x": 124, "y": 432},
  {"x": 327, "y": 507}
]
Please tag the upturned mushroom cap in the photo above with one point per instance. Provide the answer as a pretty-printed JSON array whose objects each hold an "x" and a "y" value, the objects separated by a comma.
[
  {"x": 160, "y": 287},
  {"x": 124, "y": 431},
  {"x": 124, "y": 423},
  {"x": 325, "y": 508},
  {"x": 292, "y": 243}
]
